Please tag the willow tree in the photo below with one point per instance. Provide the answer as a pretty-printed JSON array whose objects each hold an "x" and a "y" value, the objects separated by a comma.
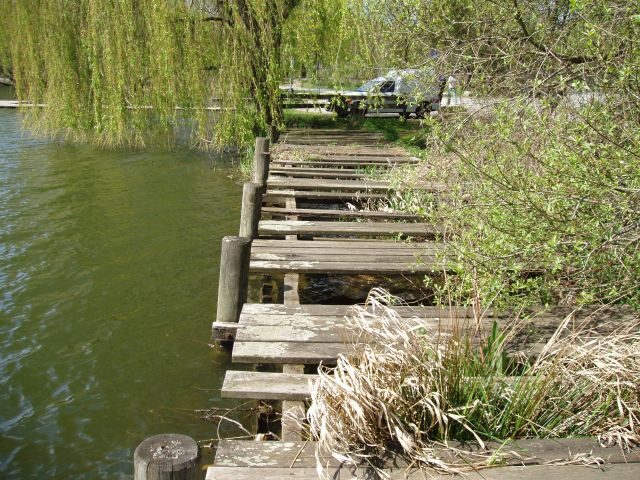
[{"x": 114, "y": 71}]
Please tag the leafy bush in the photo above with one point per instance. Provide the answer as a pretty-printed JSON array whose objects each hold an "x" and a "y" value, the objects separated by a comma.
[{"x": 543, "y": 206}]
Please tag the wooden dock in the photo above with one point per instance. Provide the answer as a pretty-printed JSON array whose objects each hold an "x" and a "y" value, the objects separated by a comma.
[{"x": 305, "y": 226}]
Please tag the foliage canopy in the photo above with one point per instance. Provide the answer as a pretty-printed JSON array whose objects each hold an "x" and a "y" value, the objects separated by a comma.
[{"x": 113, "y": 71}]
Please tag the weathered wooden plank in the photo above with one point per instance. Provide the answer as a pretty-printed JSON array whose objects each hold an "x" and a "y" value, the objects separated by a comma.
[
  {"x": 246, "y": 453},
  {"x": 290, "y": 169},
  {"x": 341, "y": 310},
  {"x": 537, "y": 330},
  {"x": 275, "y": 183},
  {"x": 318, "y": 332},
  {"x": 344, "y": 150},
  {"x": 333, "y": 141},
  {"x": 306, "y": 353},
  {"x": 316, "y": 173},
  {"x": 342, "y": 161},
  {"x": 302, "y": 227},
  {"x": 338, "y": 268},
  {"x": 266, "y": 385},
  {"x": 367, "y": 255},
  {"x": 355, "y": 164},
  {"x": 237, "y": 453},
  {"x": 338, "y": 196},
  {"x": 324, "y": 184},
  {"x": 534, "y": 472},
  {"x": 333, "y": 213},
  {"x": 325, "y": 244}
]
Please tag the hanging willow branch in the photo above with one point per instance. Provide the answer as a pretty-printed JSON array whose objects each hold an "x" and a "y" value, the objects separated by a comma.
[{"x": 121, "y": 72}]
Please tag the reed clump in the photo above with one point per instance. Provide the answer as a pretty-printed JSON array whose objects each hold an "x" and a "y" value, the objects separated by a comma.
[{"x": 408, "y": 388}]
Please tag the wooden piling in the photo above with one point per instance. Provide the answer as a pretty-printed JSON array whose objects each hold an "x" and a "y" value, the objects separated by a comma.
[
  {"x": 261, "y": 161},
  {"x": 251, "y": 209},
  {"x": 234, "y": 278},
  {"x": 167, "y": 457}
]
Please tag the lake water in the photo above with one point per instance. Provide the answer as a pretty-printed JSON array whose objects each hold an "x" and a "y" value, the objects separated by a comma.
[{"x": 108, "y": 283}]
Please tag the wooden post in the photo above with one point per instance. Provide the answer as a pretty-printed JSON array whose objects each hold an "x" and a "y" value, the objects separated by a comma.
[
  {"x": 234, "y": 278},
  {"x": 167, "y": 457},
  {"x": 250, "y": 213},
  {"x": 261, "y": 161}
]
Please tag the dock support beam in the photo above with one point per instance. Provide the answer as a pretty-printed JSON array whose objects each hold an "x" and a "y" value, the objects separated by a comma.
[
  {"x": 167, "y": 457},
  {"x": 261, "y": 161},
  {"x": 251, "y": 209},
  {"x": 234, "y": 278}
]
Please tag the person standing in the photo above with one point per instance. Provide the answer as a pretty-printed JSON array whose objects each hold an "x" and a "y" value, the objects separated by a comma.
[{"x": 451, "y": 89}]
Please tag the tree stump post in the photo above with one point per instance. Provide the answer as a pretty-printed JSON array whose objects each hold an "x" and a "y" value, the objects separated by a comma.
[
  {"x": 261, "y": 161},
  {"x": 250, "y": 213},
  {"x": 234, "y": 278},
  {"x": 167, "y": 457}
]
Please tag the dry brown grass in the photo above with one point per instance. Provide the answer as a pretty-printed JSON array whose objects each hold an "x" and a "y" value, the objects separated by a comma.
[{"x": 408, "y": 389}]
